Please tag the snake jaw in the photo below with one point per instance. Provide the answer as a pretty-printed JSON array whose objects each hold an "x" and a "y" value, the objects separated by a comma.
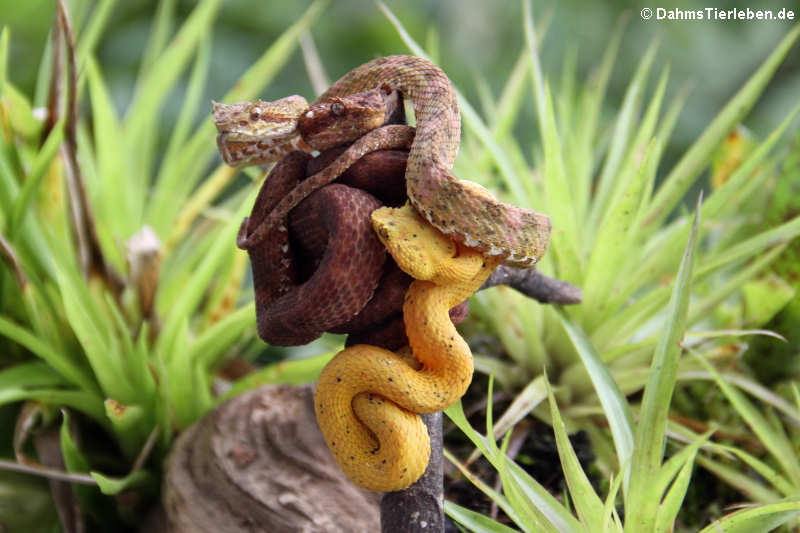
[
  {"x": 415, "y": 245},
  {"x": 421, "y": 250},
  {"x": 246, "y": 153}
]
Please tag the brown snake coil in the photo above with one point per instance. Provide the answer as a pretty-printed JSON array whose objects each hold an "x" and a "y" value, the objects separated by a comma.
[
  {"x": 332, "y": 241},
  {"x": 320, "y": 274}
]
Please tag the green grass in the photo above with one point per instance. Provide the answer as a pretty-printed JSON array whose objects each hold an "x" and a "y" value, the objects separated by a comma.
[{"x": 672, "y": 293}]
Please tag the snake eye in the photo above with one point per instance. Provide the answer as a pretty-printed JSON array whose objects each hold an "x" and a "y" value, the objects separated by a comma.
[
  {"x": 255, "y": 115},
  {"x": 337, "y": 108}
]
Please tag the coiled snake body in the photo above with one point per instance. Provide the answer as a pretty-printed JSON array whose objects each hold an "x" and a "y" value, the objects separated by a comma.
[
  {"x": 367, "y": 397},
  {"x": 450, "y": 241}
]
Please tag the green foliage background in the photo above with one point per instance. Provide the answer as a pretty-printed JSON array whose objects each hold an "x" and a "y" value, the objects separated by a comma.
[{"x": 603, "y": 163}]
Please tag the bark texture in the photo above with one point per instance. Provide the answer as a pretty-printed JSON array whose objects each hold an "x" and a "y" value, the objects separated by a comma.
[{"x": 259, "y": 463}]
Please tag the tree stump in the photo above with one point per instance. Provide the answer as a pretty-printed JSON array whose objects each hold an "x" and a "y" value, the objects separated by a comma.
[{"x": 259, "y": 463}]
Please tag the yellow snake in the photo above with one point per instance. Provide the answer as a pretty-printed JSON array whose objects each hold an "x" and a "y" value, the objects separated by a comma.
[{"x": 367, "y": 397}]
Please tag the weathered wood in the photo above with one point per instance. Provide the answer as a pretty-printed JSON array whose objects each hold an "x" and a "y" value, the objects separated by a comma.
[
  {"x": 259, "y": 463},
  {"x": 536, "y": 285}
]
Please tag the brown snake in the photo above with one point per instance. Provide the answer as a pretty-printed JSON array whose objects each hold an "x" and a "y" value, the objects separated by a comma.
[
  {"x": 317, "y": 269},
  {"x": 320, "y": 265},
  {"x": 253, "y": 133}
]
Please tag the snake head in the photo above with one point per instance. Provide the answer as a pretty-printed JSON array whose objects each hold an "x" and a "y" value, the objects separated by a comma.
[
  {"x": 422, "y": 251},
  {"x": 338, "y": 121},
  {"x": 252, "y": 133}
]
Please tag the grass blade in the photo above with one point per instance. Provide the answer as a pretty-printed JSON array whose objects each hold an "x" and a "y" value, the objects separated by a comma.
[
  {"x": 292, "y": 372},
  {"x": 117, "y": 190},
  {"x": 159, "y": 35},
  {"x": 194, "y": 289},
  {"x": 87, "y": 403},
  {"x": 752, "y": 488},
  {"x": 587, "y": 503},
  {"x": 769, "y": 474},
  {"x": 613, "y": 238},
  {"x": 4, "y": 38},
  {"x": 620, "y": 137},
  {"x": 63, "y": 364},
  {"x": 476, "y": 522},
  {"x": 93, "y": 31},
  {"x": 773, "y": 439},
  {"x": 501, "y": 501},
  {"x": 162, "y": 207},
  {"x": 613, "y": 401},
  {"x": 150, "y": 94},
  {"x": 760, "y": 519},
  {"x": 681, "y": 464},
  {"x": 641, "y": 504},
  {"x": 668, "y": 510},
  {"x": 29, "y": 375},
  {"x": 535, "y": 498},
  {"x": 34, "y": 179},
  {"x": 197, "y": 151},
  {"x": 727, "y": 199}
]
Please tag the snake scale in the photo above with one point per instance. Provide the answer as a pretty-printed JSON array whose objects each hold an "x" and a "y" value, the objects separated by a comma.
[{"x": 452, "y": 238}]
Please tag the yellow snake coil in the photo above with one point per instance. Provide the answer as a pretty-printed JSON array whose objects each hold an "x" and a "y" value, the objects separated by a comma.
[{"x": 367, "y": 398}]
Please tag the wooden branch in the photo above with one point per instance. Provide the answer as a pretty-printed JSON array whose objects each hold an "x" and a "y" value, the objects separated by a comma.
[
  {"x": 536, "y": 285},
  {"x": 419, "y": 508}
]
